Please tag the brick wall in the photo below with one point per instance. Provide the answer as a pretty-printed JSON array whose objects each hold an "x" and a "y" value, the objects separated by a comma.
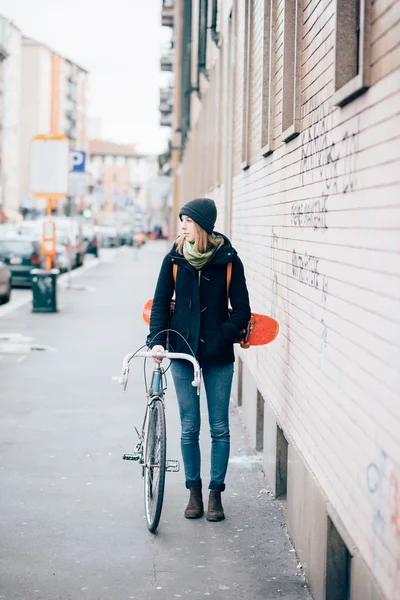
[{"x": 317, "y": 225}]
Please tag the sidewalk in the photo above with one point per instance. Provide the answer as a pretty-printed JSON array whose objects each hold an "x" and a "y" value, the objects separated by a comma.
[{"x": 72, "y": 517}]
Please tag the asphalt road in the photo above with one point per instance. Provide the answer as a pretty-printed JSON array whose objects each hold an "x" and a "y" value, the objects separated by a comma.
[{"x": 71, "y": 511}]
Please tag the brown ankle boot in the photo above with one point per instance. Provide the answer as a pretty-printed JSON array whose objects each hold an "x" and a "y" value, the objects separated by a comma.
[
  {"x": 215, "y": 510},
  {"x": 195, "y": 509}
]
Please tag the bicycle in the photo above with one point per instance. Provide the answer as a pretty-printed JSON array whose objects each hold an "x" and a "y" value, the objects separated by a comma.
[{"x": 151, "y": 449}]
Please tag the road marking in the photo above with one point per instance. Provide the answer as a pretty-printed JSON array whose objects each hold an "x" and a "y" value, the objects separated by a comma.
[
  {"x": 78, "y": 286},
  {"x": 24, "y": 348},
  {"x": 14, "y": 337}
]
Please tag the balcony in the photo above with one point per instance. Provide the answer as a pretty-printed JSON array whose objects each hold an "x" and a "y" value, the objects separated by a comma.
[
  {"x": 166, "y": 119},
  {"x": 168, "y": 13},
  {"x": 166, "y": 99},
  {"x": 71, "y": 114},
  {"x": 70, "y": 132},
  {"x": 71, "y": 91},
  {"x": 167, "y": 60}
]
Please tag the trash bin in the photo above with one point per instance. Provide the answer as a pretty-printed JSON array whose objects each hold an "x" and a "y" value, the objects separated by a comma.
[{"x": 44, "y": 290}]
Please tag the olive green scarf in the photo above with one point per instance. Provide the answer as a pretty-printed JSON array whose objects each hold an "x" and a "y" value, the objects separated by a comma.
[{"x": 198, "y": 260}]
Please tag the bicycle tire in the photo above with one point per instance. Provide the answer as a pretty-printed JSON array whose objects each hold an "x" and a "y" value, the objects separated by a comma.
[{"x": 154, "y": 465}]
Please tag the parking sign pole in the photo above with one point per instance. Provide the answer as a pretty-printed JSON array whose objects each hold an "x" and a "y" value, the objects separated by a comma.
[
  {"x": 49, "y": 236},
  {"x": 49, "y": 179}
]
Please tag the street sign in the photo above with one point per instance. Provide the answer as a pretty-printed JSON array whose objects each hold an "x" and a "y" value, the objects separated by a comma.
[
  {"x": 49, "y": 166},
  {"x": 99, "y": 195},
  {"x": 77, "y": 184},
  {"x": 77, "y": 161},
  {"x": 77, "y": 176}
]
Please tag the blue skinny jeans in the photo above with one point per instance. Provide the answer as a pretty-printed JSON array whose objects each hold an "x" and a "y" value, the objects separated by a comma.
[{"x": 217, "y": 380}]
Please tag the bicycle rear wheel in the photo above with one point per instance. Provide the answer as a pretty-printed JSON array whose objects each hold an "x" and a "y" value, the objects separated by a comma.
[{"x": 154, "y": 465}]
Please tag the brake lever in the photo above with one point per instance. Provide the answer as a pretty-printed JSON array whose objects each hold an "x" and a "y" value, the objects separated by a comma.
[
  {"x": 197, "y": 380},
  {"x": 123, "y": 380}
]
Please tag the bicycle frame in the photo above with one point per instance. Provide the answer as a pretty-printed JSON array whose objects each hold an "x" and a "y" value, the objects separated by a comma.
[
  {"x": 155, "y": 392},
  {"x": 151, "y": 448}
]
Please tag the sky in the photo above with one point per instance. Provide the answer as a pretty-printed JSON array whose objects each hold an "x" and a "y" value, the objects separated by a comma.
[{"x": 119, "y": 43}]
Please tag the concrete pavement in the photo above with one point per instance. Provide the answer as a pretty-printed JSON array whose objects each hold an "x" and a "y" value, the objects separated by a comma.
[{"x": 72, "y": 518}]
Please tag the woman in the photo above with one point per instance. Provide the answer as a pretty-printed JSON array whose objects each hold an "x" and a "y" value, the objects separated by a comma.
[{"x": 202, "y": 326}]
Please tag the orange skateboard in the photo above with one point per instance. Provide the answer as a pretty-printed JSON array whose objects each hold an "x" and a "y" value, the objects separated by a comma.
[{"x": 261, "y": 329}]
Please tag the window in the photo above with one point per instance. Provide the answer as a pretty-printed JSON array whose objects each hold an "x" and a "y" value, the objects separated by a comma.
[
  {"x": 185, "y": 87},
  {"x": 351, "y": 50},
  {"x": 246, "y": 84},
  {"x": 282, "y": 447},
  {"x": 215, "y": 22},
  {"x": 291, "y": 71},
  {"x": 267, "y": 95},
  {"x": 338, "y": 566},
  {"x": 202, "y": 48},
  {"x": 260, "y": 422}
]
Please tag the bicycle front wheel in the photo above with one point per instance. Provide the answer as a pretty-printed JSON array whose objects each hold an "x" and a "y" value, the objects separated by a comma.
[{"x": 154, "y": 465}]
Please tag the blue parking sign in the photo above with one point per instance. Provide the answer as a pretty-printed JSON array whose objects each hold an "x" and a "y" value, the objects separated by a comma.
[{"x": 77, "y": 161}]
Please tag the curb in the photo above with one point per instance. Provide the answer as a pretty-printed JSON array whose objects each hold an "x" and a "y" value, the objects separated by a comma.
[{"x": 62, "y": 279}]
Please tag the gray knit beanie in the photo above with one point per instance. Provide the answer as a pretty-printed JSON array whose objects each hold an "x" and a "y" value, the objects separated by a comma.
[{"x": 203, "y": 211}]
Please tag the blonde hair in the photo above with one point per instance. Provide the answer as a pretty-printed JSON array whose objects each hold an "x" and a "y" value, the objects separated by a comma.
[{"x": 202, "y": 241}]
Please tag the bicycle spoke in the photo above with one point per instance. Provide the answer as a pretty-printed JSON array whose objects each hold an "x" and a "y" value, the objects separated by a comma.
[{"x": 155, "y": 465}]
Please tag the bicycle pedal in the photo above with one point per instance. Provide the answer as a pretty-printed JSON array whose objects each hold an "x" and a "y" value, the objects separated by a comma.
[
  {"x": 134, "y": 456},
  {"x": 172, "y": 466}
]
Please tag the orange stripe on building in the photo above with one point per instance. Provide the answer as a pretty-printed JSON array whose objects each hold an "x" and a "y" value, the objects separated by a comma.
[{"x": 55, "y": 93}]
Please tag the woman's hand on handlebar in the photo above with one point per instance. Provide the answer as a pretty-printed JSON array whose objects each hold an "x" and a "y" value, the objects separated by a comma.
[{"x": 158, "y": 349}]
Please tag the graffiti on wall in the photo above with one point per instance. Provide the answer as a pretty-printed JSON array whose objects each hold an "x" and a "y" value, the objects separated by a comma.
[
  {"x": 324, "y": 159},
  {"x": 305, "y": 268},
  {"x": 384, "y": 488},
  {"x": 310, "y": 213},
  {"x": 274, "y": 272},
  {"x": 328, "y": 161}
]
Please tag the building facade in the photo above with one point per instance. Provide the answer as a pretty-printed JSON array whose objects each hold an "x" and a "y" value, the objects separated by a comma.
[
  {"x": 10, "y": 123},
  {"x": 286, "y": 112},
  {"x": 120, "y": 181},
  {"x": 53, "y": 101},
  {"x": 68, "y": 102}
]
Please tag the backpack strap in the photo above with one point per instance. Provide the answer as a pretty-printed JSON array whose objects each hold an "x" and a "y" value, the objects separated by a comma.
[
  {"x": 228, "y": 276},
  {"x": 174, "y": 272}
]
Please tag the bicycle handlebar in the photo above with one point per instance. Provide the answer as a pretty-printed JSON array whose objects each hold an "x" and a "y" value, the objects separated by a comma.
[{"x": 123, "y": 380}]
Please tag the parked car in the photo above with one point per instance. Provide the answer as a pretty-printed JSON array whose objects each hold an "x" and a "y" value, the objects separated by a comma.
[
  {"x": 68, "y": 232},
  {"x": 109, "y": 236},
  {"x": 21, "y": 254},
  {"x": 71, "y": 228},
  {"x": 5, "y": 283},
  {"x": 126, "y": 235},
  {"x": 64, "y": 257},
  {"x": 90, "y": 235}
]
